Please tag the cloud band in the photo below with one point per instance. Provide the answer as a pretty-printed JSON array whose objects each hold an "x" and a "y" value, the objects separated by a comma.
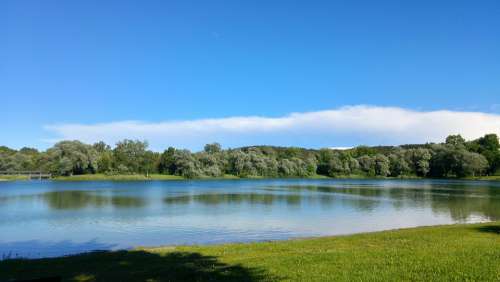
[{"x": 345, "y": 126}]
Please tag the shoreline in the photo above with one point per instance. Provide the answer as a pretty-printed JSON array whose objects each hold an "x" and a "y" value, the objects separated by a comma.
[
  {"x": 167, "y": 177},
  {"x": 432, "y": 253}
]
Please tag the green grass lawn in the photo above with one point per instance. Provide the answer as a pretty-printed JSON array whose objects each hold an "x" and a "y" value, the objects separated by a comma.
[
  {"x": 443, "y": 253},
  {"x": 120, "y": 177},
  {"x": 490, "y": 178},
  {"x": 13, "y": 177},
  {"x": 141, "y": 177},
  {"x": 132, "y": 177}
]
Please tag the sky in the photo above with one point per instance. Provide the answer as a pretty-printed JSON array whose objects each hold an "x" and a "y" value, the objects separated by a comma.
[{"x": 291, "y": 73}]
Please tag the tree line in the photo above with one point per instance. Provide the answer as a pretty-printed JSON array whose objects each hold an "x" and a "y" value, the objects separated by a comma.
[{"x": 455, "y": 157}]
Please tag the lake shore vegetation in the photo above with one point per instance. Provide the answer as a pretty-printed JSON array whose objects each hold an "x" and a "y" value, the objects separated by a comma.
[{"x": 132, "y": 160}]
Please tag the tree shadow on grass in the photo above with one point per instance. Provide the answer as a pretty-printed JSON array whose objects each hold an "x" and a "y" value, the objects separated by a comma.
[
  {"x": 131, "y": 266},
  {"x": 490, "y": 229}
]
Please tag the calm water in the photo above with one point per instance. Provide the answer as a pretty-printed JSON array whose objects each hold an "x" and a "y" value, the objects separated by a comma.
[{"x": 45, "y": 218}]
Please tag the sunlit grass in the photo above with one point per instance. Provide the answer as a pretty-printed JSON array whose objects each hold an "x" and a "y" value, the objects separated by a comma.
[
  {"x": 120, "y": 177},
  {"x": 13, "y": 177},
  {"x": 142, "y": 177},
  {"x": 132, "y": 177},
  {"x": 489, "y": 178},
  {"x": 443, "y": 253}
]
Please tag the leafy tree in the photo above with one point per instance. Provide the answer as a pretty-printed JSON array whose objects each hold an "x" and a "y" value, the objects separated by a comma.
[
  {"x": 129, "y": 155},
  {"x": 381, "y": 165},
  {"x": 150, "y": 162},
  {"x": 339, "y": 165},
  {"x": 418, "y": 160},
  {"x": 71, "y": 157},
  {"x": 353, "y": 165},
  {"x": 442, "y": 161},
  {"x": 286, "y": 167},
  {"x": 17, "y": 162},
  {"x": 209, "y": 163},
  {"x": 455, "y": 140},
  {"x": 101, "y": 147},
  {"x": 364, "y": 150},
  {"x": 166, "y": 163},
  {"x": 397, "y": 164},
  {"x": 213, "y": 148},
  {"x": 367, "y": 165},
  {"x": 105, "y": 162},
  {"x": 489, "y": 147},
  {"x": 185, "y": 164},
  {"x": 471, "y": 164},
  {"x": 453, "y": 158}
]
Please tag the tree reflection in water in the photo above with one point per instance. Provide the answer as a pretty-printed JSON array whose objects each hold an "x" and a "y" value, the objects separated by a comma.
[
  {"x": 461, "y": 201},
  {"x": 65, "y": 200}
]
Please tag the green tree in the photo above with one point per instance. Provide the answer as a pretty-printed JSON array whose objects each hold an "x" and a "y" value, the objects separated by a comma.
[
  {"x": 455, "y": 140},
  {"x": 367, "y": 165},
  {"x": 382, "y": 165},
  {"x": 71, "y": 157},
  {"x": 339, "y": 165},
  {"x": 418, "y": 160},
  {"x": 150, "y": 163},
  {"x": 185, "y": 164},
  {"x": 209, "y": 163},
  {"x": 213, "y": 148},
  {"x": 489, "y": 147},
  {"x": 129, "y": 156},
  {"x": 472, "y": 164},
  {"x": 167, "y": 161},
  {"x": 398, "y": 165}
]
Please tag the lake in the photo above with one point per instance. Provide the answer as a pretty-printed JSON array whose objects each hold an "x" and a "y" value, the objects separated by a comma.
[{"x": 51, "y": 218}]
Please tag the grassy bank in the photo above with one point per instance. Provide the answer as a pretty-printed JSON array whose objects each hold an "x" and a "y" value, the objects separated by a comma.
[
  {"x": 487, "y": 178},
  {"x": 120, "y": 177},
  {"x": 443, "y": 253},
  {"x": 133, "y": 177},
  {"x": 13, "y": 177},
  {"x": 141, "y": 177}
]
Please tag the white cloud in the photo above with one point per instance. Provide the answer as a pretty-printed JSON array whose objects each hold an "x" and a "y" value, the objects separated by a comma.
[
  {"x": 343, "y": 126},
  {"x": 341, "y": 148}
]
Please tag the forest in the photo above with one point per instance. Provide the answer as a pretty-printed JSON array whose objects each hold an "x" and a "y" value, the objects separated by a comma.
[{"x": 455, "y": 157}]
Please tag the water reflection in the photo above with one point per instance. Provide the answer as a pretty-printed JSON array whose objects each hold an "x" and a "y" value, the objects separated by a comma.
[
  {"x": 459, "y": 201},
  {"x": 64, "y": 200},
  {"x": 461, "y": 208},
  {"x": 273, "y": 199},
  {"x": 214, "y": 199},
  {"x": 76, "y": 199}
]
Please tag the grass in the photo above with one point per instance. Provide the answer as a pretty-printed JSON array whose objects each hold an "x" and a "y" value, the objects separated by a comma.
[
  {"x": 139, "y": 177},
  {"x": 120, "y": 177},
  {"x": 442, "y": 253},
  {"x": 489, "y": 178},
  {"x": 13, "y": 177}
]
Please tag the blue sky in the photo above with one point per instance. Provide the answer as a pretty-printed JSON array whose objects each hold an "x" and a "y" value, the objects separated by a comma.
[{"x": 68, "y": 64}]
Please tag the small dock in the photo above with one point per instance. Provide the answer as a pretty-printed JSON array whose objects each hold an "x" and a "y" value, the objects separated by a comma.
[{"x": 32, "y": 175}]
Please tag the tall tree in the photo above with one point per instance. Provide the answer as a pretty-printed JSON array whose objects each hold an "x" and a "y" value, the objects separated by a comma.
[
  {"x": 71, "y": 157},
  {"x": 130, "y": 155}
]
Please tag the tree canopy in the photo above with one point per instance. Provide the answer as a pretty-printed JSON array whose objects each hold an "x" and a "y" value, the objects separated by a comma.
[{"x": 455, "y": 157}]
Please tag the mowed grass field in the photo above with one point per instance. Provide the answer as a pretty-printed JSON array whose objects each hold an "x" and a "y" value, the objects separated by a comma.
[
  {"x": 141, "y": 177},
  {"x": 442, "y": 253},
  {"x": 13, "y": 177},
  {"x": 119, "y": 177},
  {"x": 156, "y": 176}
]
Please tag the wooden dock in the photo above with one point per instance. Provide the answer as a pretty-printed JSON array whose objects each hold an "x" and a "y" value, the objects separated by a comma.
[{"x": 30, "y": 174}]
